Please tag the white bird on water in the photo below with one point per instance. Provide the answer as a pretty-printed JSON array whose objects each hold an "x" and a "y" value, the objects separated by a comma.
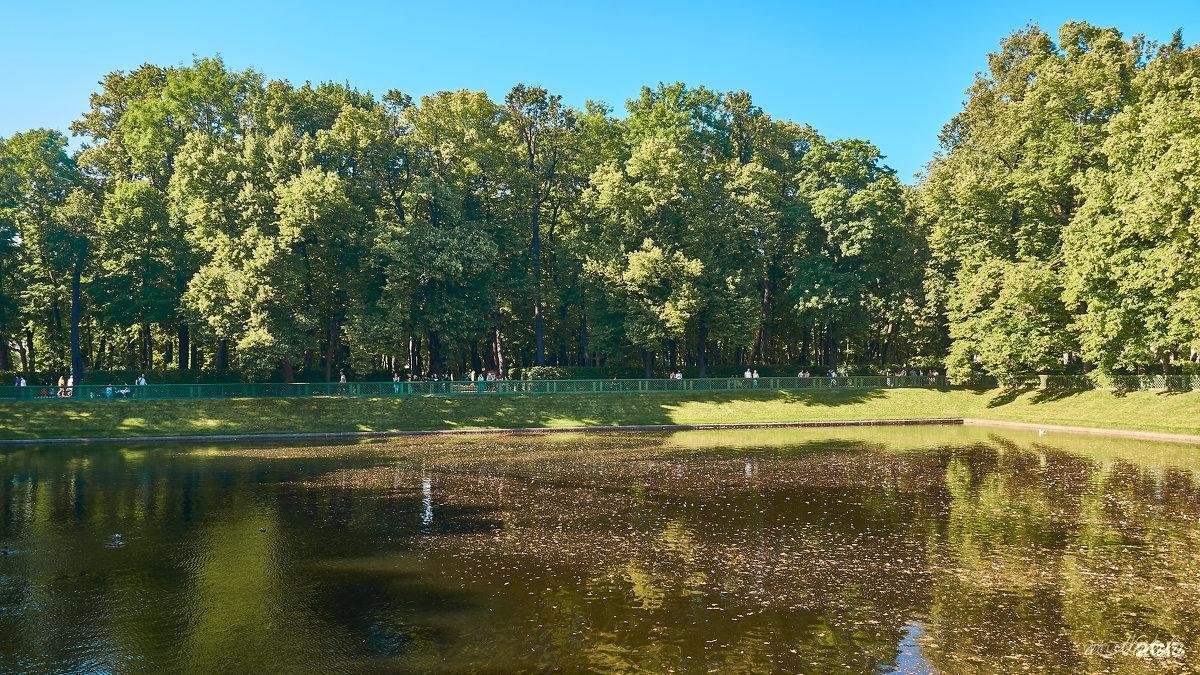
[{"x": 1041, "y": 432}]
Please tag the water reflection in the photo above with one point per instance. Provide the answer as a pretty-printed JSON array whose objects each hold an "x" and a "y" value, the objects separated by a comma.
[
  {"x": 871, "y": 551},
  {"x": 426, "y": 502},
  {"x": 908, "y": 653}
]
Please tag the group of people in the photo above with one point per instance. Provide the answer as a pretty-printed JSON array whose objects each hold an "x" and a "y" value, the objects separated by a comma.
[
  {"x": 111, "y": 390},
  {"x": 932, "y": 374},
  {"x": 913, "y": 372},
  {"x": 481, "y": 376},
  {"x": 66, "y": 387}
]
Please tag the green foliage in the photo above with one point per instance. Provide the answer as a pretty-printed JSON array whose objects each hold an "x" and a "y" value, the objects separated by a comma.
[
  {"x": 1131, "y": 250},
  {"x": 217, "y": 219},
  {"x": 1061, "y": 211}
]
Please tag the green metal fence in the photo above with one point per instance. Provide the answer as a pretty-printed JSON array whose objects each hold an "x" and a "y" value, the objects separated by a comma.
[
  {"x": 122, "y": 392},
  {"x": 452, "y": 388},
  {"x": 1121, "y": 382}
]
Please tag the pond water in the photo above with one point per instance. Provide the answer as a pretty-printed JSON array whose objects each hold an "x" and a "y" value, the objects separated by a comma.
[{"x": 856, "y": 550}]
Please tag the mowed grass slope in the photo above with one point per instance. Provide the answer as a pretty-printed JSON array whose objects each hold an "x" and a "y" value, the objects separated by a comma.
[{"x": 1148, "y": 411}]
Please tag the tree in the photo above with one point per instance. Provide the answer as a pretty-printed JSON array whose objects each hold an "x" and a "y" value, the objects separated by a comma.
[
  {"x": 1130, "y": 251},
  {"x": 844, "y": 274},
  {"x": 668, "y": 188},
  {"x": 541, "y": 127},
  {"x": 52, "y": 251},
  {"x": 1007, "y": 183},
  {"x": 137, "y": 259},
  {"x": 657, "y": 293},
  {"x": 72, "y": 241}
]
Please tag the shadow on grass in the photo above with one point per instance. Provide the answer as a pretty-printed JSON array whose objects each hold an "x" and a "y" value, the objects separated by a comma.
[
  {"x": 832, "y": 397},
  {"x": 1049, "y": 395},
  {"x": 1005, "y": 397},
  {"x": 1039, "y": 395},
  {"x": 328, "y": 415}
]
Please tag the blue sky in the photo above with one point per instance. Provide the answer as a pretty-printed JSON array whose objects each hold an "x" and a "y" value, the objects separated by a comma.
[{"x": 883, "y": 71}]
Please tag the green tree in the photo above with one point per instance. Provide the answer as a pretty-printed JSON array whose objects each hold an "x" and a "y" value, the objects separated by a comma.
[
  {"x": 1007, "y": 183},
  {"x": 41, "y": 178},
  {"x": 1130, "y": 251},
  {"x": 540, "y": 127}
]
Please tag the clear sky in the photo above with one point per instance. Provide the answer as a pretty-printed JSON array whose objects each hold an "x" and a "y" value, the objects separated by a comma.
[{"x": 883, "y": 71}]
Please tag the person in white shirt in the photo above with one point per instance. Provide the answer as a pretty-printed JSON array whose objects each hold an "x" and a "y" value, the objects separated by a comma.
[{"x": 747, "y": 374}]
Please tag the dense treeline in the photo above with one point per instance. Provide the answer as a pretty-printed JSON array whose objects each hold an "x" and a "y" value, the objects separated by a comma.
[
  {"x": 213, "y": 219},
  {"x": 1063, "y": 211}
]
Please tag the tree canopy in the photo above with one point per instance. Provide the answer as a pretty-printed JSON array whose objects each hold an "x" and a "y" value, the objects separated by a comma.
[{"x": 211, "y": 220}]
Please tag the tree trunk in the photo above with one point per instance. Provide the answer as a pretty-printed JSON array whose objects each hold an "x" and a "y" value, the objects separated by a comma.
[
  {"x": 76, "y": 310},
  {"x": 289, "y": 374},
  {"x": 562, "y": 334},
  {"x": 222, "y": 357},
  {"x": 701, "y": 339},
  {"x": 536, "y": 253},
  {"x": 414, "y": 355},
  {"x": 147, "y": 346},
  {"x": 887, "y": 345},
  {"x": 672, "y": 353},
  {"x": 763, "y": 338},
  {"x": 436, "y": 361},
  {"x": 185, "y": 347},
  {"x": 98, "y": 364},
  {"x": 498, "y": 344},
  {"x": 488, "y": 357},
  {"x": 29, "y": 349},
  {"x": 583, "y": 339},
  {"x": 5, "y": 354},
  {"x": 831, "y": 346},
  {"x": 56, "y": 317},
  {"x": 331, "y": 350}
]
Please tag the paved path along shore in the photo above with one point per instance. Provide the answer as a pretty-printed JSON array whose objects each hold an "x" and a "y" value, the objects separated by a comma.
[
  {"x": 644, "y": 428},
  {"x": 353, "y": 435},
  {"x": 1094, "y": 431}
]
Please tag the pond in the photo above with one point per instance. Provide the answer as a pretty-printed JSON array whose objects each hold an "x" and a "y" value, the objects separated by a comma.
[{"x": 856, "y": 550}]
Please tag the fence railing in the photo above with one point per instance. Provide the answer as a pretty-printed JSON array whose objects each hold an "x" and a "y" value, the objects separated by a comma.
[
  {"x": 1122, "y": 382},
  {"x": 122, "y": 392},
  {"x": 147, "y": 392}
]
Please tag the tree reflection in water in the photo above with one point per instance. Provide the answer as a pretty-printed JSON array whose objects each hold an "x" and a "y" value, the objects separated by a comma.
[{"x": 808, "y": 550}]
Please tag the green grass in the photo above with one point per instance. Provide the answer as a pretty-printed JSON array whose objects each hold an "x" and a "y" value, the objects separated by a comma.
[{"x": 1148, "y": 411}]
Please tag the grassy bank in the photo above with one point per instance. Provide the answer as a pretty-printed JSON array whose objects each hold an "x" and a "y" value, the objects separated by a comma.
[{"x": 1146, "y": 411}]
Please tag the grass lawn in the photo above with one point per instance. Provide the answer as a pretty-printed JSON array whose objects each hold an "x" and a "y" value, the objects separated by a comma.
[{"x": 1147, "y": 411}]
